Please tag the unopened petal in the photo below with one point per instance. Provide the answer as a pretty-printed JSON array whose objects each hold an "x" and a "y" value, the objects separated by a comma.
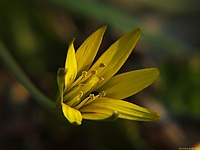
[
  {"x": 61, "y": 84},
  {"x": 126, "y": 84},
  {"x": 88, "y": 50},
  {"x": 70, "y": 65},
  {"x": 72, "y": 115},
  {"x": 116, "y": 55},
  {"x": 102, "y": 108}
]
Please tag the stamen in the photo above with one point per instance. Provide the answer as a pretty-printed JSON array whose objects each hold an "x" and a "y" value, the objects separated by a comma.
[
  {"x": 92, "y": 98},
  {"x": 83, "y": 75},
  {"x": 87, "y": 75},
  {"x": 86, "y": 101},
  {"x": 75, "y": 99},
  {"x": 69, "y": 94},
  {"x": 78, "y": 100},
  {"x": 89, "y": 85},
  {"x": 85, "y": 89},
  {"x": 82, "y": 103}
]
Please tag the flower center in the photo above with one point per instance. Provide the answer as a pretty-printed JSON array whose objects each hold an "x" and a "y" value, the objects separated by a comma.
[{"x": 80, "y": 92}]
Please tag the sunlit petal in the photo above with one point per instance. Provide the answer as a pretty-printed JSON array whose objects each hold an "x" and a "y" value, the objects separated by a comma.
[
  {"x": 116, "y": 55},
  {"x": 70, "y": 65},
  {"x": 88, "y": 50},
  {"x": 73, "y": 115},
  {"x": 102, "y": 108},
  {"x": 93, "y": 93},
  {"x": 126, "y": 84}
]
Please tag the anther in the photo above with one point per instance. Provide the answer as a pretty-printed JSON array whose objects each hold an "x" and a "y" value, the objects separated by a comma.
[
  {"x": 94, "y": 71},
  {"x": 80, "y": 94},
  {"x": 101, "y": 79},
  {"x": 92, "y": 97},
  {"x": 101, "y": 65},
  {"x": 102, "y": 94},
  {"x": 84, "y": 73}
]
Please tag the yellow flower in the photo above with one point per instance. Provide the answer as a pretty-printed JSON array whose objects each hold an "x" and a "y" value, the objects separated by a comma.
[{"x": 92, "y": 92}]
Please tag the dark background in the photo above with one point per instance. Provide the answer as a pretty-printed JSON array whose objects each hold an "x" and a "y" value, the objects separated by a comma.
[{"x": 37, "y": 34}]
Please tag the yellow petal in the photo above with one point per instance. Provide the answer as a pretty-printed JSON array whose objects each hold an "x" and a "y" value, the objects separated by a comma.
[
  {"x": 126, "y": 84},
  {"x": 88, "y": 50},
  {"x": 72, "y": 115},
  {"x": 70, "y": 65},
  {"x": 102, "y": 108},
  {"x": 116, "y": 55}
]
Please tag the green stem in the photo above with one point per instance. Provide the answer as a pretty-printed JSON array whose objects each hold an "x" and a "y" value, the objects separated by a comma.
[{"x": 16, "y": 70}]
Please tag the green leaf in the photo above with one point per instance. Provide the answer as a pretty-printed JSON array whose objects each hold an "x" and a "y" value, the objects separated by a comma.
[
  {"x": 126, "y": 84},
  {"x": 72, "y": 115},
  {"x": 88, "y": 50},
  {"x": 103, "y": 108}
]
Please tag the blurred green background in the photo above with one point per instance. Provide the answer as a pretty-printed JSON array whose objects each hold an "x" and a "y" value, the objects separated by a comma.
[{"x": 37, "y": 34}]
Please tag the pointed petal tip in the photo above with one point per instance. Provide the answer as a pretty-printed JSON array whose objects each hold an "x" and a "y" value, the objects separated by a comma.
[
  {"x": 154, "y": 116},
  {"x": 156, "y": 72},
  {"x": 72, "y": 41},
  {"x": 103, "y": 28},
  {"x": 139, "y": 29},
  {"x": 135, "y": 34},
  {"x": 158, "y": 116},
  {"x": 61, "y": 72}
]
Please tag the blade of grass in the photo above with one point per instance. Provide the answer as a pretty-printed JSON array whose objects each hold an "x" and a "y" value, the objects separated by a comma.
[{"x": 18, "y": 73}]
